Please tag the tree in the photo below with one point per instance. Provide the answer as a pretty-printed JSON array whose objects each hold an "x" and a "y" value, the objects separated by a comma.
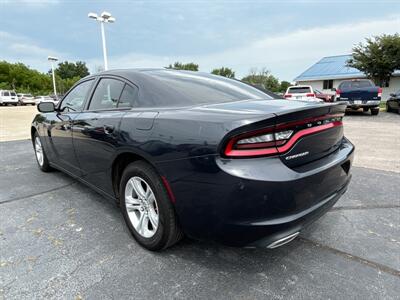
[
  {"x": 22, "y": 79},
  {"x": 284, "y": 85},
  {"x": 180, "y": 66},
  {"x": 226, "y": 72},
  {"x": 263, "y": 79},
  {"x": 68, "y": 70},
  {"x": 378, "y": 58}
]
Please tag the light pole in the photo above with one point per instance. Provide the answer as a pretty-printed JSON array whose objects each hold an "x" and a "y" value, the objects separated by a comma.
[
  {"x": 105, "y": 17},
  {"x": 52, "y": 59}
]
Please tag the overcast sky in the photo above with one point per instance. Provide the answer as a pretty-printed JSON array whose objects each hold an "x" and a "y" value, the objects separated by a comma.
[{"x": 286, "y": 37}]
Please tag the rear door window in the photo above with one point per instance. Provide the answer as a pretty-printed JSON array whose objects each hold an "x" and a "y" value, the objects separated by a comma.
[
  {"x": 107, "y": 94},
  {"x": 128, "y": 97},
  {"x": 6, "y": 94}
]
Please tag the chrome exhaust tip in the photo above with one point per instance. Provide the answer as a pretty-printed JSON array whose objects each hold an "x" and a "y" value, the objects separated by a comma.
[{"x": 283, "y": 241}]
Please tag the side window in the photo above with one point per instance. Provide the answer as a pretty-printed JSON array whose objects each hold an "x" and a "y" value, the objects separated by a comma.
[
  {"x": 75, "y": 99},
  {"x": 107, "y": 94},
  {"x": 128, "y": 97}
]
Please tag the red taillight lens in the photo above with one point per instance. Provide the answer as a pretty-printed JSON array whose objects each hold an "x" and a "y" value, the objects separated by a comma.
[
  {"x": 273, "y": 141},
  {"x": 380, "y": 92},
  {"x": 310, "y": 95},
  {"x": 338, "y": 92},
  {"x": 287, "y": 95}
]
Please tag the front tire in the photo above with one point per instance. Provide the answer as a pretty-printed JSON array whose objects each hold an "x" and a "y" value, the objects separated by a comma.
[
  {"x": 40, "y": 154},
  {"x": 365, "y": 109},
  {"x": 374, "y": 111},
  {"x": 388, "y": 109},
  {"x": 147, "y": 208}
]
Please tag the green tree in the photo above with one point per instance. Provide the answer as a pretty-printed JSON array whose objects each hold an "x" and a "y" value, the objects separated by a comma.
[
  {"x": 378, "y": 58},
  {"x": 180, "y": 66},
  {"x": 68, "y": 70},
  {"x": 263, "y": 79},
  {"x": 284, "y": 85},
  {"x": 226, "y": 72},
  {"x": 22, "y": 79}
]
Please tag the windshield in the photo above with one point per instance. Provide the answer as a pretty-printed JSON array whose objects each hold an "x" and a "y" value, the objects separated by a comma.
[
  {"x": 299, "y": 90},
  {"x": 177, "y": 88},
  {"x": 356, "y": 84}
]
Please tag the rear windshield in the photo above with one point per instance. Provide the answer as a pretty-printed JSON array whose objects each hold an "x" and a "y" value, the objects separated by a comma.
[
  {"x": 177, "y": 88},
  {"x": 356, "y": 84},
  {"x": 299, "y": 90}
]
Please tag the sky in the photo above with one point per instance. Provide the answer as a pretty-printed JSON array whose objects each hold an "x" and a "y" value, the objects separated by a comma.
[{"x": 285, "y": 37}]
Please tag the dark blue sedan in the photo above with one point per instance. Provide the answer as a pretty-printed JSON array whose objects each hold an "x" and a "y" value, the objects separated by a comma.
[{"x": 188, "y": 153}]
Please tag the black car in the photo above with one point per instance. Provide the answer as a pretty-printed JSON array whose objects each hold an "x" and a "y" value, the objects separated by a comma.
[
  {"x": 188, "y": 153},
  {"x": 393, "y": 103}
]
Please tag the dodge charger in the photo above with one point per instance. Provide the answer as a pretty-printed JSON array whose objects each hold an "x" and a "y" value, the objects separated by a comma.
[{"x": 192, "y": 154}]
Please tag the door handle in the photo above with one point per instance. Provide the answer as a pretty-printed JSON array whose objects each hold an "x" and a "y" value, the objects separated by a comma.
[{"x": 108, "y": 129}]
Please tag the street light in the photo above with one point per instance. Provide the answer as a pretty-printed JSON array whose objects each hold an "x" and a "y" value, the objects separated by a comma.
[
  {"x": 53, "y": 59},
  {"x": 105, "y": 17}
]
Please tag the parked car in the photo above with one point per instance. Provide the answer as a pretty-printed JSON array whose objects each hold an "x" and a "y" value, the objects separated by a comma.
[
  {"x": 39, "y": 99},
  {"x": 24, "y": 99},
  {"x": 8, "y": 97},
  {"x": 324, "y": 96},
  {"x": 301, "y": 92},
  {"x": 198, "y": 155},
  {"x": 393, "y": 103},
  {"x": 360, "y": 93}
]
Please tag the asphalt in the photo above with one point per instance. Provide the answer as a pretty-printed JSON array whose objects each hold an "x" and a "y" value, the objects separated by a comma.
[{"x": 59, "y": 239}]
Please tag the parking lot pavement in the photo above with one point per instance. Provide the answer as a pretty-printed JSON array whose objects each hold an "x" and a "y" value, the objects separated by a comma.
[
  {"x": 59, "y": 239},
  {"x": 377, "y": 139},
  {"x": 15, "y": 122}
]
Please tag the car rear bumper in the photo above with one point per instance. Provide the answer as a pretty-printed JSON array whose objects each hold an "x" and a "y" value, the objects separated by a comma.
[
  {"x": 362, "y": 103},
  {"x": 255, "y": 202}
]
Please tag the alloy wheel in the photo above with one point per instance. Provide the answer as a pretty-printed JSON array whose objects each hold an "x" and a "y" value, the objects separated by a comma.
[
  {"x": 141, "y": 206},
  {"x": 39, "y": 151}
]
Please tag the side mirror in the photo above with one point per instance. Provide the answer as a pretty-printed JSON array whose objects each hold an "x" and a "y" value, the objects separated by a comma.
[
  {"x": 333, "y": 89},
  {"x": 393, "y": 95},
  {"x": 46, "y": 107}
]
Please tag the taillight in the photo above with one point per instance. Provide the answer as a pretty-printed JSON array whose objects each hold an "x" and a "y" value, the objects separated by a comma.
[
  {"x": 338, "y": 92},
  {"x": 279, "y": 139},
  {"x": 288, "y": 95},
  {"x": 380, "y": 92},
  {"x": 310, "y": 95}
]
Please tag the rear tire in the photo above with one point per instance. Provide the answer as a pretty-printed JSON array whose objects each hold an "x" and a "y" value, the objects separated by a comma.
[
  {"x": 147, "y": 208},
  {"x": 374, "y": 111},
  {"x": 40, "y": 154}
]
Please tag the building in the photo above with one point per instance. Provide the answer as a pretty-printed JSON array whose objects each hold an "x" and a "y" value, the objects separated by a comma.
[{"x": 331, "y": 70}]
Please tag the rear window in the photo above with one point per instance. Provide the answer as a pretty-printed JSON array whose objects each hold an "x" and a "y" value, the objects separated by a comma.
[
  {"x": 6, "y": 93},
  {"x": 356, "y": 84},
  {"x": 177, "y": 88},
  {"x": 299, "y": 90}
]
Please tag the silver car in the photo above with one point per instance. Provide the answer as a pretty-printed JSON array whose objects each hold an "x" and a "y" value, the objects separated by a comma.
[{"x": 25, "y": 99}]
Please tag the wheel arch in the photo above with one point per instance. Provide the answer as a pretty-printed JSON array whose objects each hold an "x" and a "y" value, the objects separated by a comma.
[
  {"x": 120, "y": 162},
  {"x": 33, "y": 131}
]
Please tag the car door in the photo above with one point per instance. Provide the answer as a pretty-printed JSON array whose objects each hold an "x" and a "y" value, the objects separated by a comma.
[
  {"x": 95, "y": 130},
  {"x": 59, "y": 128}
]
